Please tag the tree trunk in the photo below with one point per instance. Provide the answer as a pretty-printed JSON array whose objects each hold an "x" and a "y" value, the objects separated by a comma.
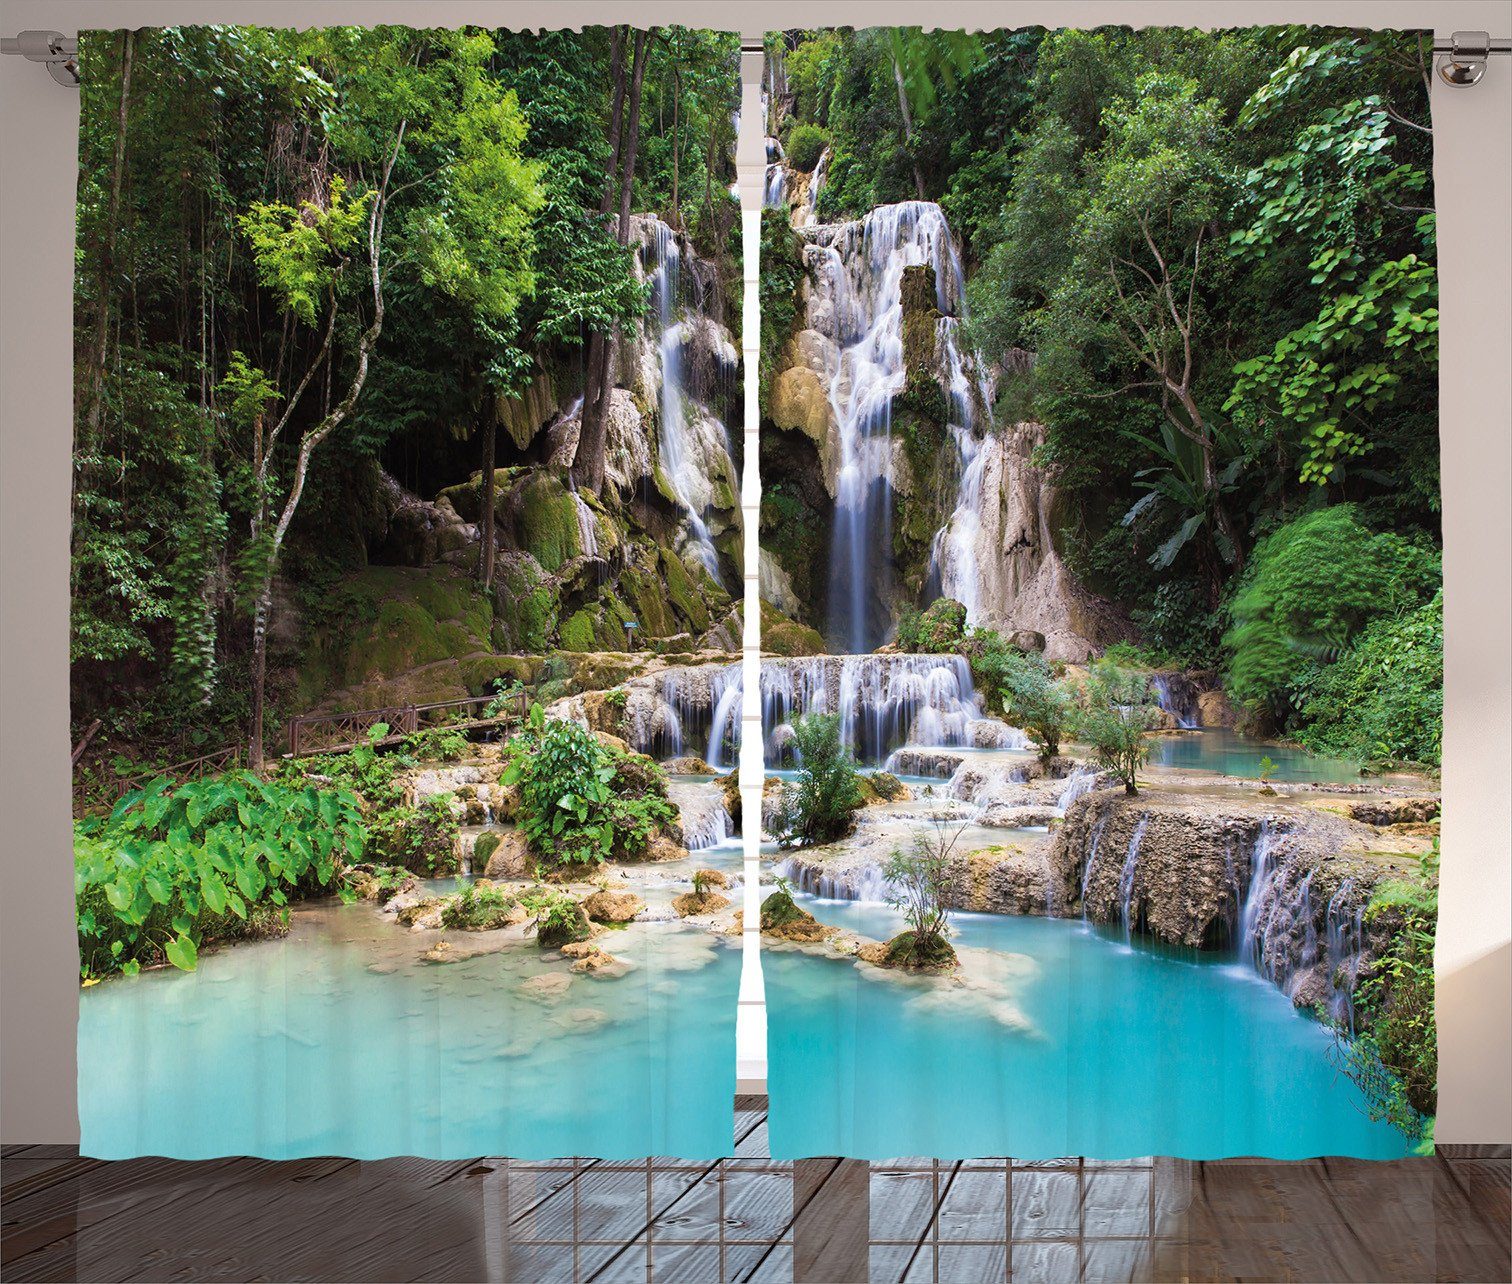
[
  {"x": 486, "y": 485},
  {"x": 93, "y": 399},
  {"x": 592, "y": 417},
  {"x": 676, "y": 138},
  {"x": 588, "y": 462},
  {"x": 308, "y": 444},
  {"x": 907, "y": 127}
]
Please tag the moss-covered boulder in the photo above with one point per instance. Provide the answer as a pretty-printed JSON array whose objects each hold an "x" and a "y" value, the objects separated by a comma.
[
  {"x": 781, "y": 918},
  {"x": 783, "y": 636},
  {"x": 910, "y": 952}
]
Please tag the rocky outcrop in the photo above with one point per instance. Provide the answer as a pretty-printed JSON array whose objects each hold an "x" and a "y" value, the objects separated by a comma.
[
  {"x": 606, "y": 906},
  {"x": 1283, "y": 882}
]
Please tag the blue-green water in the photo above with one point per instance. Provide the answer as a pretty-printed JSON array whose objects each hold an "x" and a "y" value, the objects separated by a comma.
[
  {"x": 1231, "y": 754},
  {"x": 338, "y": 1040},
  {"x": 1080, "y": 1045}
]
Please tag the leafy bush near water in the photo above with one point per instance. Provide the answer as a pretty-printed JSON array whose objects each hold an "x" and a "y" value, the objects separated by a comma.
[
  {"x": 1116, "y": 712},
  {"x": 816, "y": 808},
  {"x": 173, "y": 867},
  {"x": 582, "y": 802},
  {"x": 805, "y": 144},
  {"x": 1036, "y": 702},
  {"x": 1394, "y": 1059}
]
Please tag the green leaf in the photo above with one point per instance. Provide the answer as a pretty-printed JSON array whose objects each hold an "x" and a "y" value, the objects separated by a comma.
[{"x": 182, "y": 953}]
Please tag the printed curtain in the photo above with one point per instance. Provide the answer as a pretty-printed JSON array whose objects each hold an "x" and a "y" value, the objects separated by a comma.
[
  {"x": 405, "y": 473},
  {"x": 1100, "y": 686},
  {"x": 1101, "y": 581}
]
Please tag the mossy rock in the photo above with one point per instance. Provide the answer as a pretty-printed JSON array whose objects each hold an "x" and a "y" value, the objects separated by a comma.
[
  {"x": 386, "y": 621},
  {"x": 545, "y": 520},
  {"x": 560, "y": 932},
  {"x": 783, "y": 636},
  {"x": 483, "y": 848},
  {"x": 683, "y": 593},
  {"x": 910, "y": 952},
  {"x": 525, "y": 609},
  {"x": 781, "y": 918},
  {"x": 577, "y": 633}
]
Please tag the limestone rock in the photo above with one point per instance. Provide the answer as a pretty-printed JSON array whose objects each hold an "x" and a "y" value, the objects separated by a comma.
[
  {"x": 1214, "y": 710},
  {"x": 800, "y": 401},
  {"x": 690, "y": 904},
  {"x": 612, "y": 907},
  {"x": 511, "y": 857}
]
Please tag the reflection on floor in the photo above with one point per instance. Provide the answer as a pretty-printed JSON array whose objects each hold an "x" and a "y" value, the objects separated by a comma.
[{"x": 748, "y": 1218}]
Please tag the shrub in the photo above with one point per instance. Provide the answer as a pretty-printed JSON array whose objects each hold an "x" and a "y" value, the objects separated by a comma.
[
  {"x": 919, "y": 881},
  {"x": 805, "y": 144},
  {"x": 1116, "y": 712},
  {"x": 422, "y": 838},
  {"x": 436, "y": 744},
  {"x": 557, "y": 918},
  {"x": 580, "y": 802},
  {"x": 1384, "y": 698},
  {"x": 478, "y": 907},
  {"x": 1311, "y": 587},
  {"x": 1395, "y": 1057},
  {"x": 1036, "y": 702},
  {"x": 175, "y": 866},
  {"x": 817, "y": 807},
  {"x": 938, "y": 630}
]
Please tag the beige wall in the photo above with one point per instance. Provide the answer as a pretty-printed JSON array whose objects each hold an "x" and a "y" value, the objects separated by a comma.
[{"x": 38, "y": 120}]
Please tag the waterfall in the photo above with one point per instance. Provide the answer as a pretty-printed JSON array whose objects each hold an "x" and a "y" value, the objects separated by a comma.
[
  {"x": 859, "y": 883},
  {"x": 1345, "y": 937},
  {"x": 1126, "y": 877},
  {"x": 1097, "y": 834},
  {"x": 679, "y": 464},
  {"x": 774, "y": 192},
  {"x": 884, "y": 701},
  {"x": 807, "y": 214},
  {"x": 694, "y": 708},
  {"x": 587, "y": 523},
  {"x": 859, "y": 304},
  {"x": 1260, "y": 875},
  {"x": 954, "y": 555},
  {"x": 1173, "y": 698},
  {"x": 1078, "y": 784}
]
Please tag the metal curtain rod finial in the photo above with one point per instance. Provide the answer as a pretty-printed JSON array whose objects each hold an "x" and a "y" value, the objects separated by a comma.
[
  {"x": 1462, "y": 58},
  {"x": 58, "y": 52}
]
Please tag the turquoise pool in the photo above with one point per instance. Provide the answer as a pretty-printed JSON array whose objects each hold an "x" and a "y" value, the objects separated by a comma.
[
  {"x": 1076, "y": 1045},
  {"x": 337, "y": 1040},
  {"x": 1231, "y": 754}
]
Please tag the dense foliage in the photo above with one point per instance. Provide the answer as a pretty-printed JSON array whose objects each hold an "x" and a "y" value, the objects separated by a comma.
[
  {"x": 174, "y": 867},
  {"x": 1204, "y": 261},
  {"x": 308, "y": 256},
  {"x": 582, "y": 802},
  {"x": 1035, "y": 702},
  {"x": 1325, "y": 607},
  {"x": 1394, "y": 1057},
  {"x": 817, "y": 806}
]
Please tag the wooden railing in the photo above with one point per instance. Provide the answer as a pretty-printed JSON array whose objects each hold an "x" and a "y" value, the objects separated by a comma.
[
  {"x": 226, "y": 759},
  {"x": 338, "y": 732},
  {"x": 312, "y": 733}
]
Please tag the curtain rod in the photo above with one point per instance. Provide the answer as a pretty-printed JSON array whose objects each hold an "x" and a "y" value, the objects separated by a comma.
[{"x": 1461, "y": 59}]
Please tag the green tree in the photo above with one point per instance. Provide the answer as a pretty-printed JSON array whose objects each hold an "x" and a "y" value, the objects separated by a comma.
[
  {"x": 817, "y": 807},
  {"x": 1117, "y": 709},
  {"x": 1036, "y": 702}
]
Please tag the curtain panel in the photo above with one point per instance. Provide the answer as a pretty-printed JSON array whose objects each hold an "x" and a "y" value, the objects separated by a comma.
[
  {"x": 405, "y": 483},
  {"x": 1100, "y": 468}
]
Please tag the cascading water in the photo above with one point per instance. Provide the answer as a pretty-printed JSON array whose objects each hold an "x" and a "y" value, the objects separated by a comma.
[
  {"x": 1092, "y": 848},
  {"x": 1261, "y": 861},
  {"x": 884, "y": 701},
  {"x": 954, "y": 555},
  {"x": 587, "y": 523},
  {"x": 1126, "y": 878},
  {"x": 678, "y": 452},
  {"x": 774, "y": 192},
  {"x": 1078, "y": 784},
  {"x": 1173, "y": 700},
  {"x": 861, "y": 883},
  {"x": 807, "y": 214},
  {"x": 1345, "y": 936},
  {"x": 859, "y": 305}
]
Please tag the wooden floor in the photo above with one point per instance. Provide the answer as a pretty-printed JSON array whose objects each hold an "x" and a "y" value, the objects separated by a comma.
[{"x": 749, "y": 1218}]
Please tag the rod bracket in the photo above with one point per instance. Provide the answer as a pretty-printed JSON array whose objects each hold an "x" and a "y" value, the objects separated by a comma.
[
  {"x": 1462, "y": 59},
  {"x": 57, "y": 52}
]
